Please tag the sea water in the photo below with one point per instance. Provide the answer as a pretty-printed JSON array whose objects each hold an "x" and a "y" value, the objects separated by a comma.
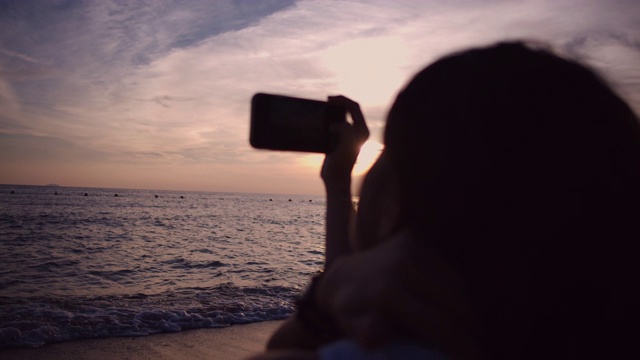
[{"x": 84, "y": 263}]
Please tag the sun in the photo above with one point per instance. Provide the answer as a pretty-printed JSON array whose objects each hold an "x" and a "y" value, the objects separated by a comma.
[{"x": 369, "y": 153}]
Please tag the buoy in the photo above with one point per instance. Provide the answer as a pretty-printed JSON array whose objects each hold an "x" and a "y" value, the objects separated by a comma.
[
  {"x": 115, "y": 194},
  {"x": 181, "y": 197},
  {"x": 156, "y": 196},
  {"x": 289, "y": 199},
  {"x": 85, "y": 194}
]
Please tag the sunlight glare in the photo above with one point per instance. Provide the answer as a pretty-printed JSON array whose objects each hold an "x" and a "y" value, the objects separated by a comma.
[
  {"x": 368, "y": 155},
  {"x": 368, "y": 70}
]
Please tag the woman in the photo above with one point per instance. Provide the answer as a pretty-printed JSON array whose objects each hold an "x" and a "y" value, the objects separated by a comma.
[{"x": 512, "y": 189}]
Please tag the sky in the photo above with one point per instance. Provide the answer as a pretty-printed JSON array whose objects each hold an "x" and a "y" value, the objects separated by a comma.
[{"x": 156, "y": 94}]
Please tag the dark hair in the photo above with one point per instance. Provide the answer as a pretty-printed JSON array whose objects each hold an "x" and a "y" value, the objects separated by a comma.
[{"x": 523, "y": 169}]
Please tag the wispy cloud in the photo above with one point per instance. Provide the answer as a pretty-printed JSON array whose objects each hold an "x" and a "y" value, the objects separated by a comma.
[
  {"x": 18, "y": 55},
  {"x": 163, "y": 87}
]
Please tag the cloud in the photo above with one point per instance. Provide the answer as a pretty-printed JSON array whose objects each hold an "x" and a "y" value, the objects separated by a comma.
[
  {"x": 167, "y": 84},
  {"x": 10, "y": 106},
  {"x": 42, "y": 149},
  {"x": 166, "y": 100},
  {"x": 605, "y": 35},
  {"x": 87, "y": 100},
  {"x": 18, "y": 55},
  {"x": 222, "y": 73}
]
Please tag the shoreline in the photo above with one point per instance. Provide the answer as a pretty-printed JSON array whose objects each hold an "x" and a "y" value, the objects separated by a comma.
[{"x": 230, "y": 343}]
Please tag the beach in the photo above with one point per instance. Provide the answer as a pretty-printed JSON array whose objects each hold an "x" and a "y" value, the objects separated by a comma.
[
  {"x": 79, "y": 267},
  {"x": 230, "y": 343}
]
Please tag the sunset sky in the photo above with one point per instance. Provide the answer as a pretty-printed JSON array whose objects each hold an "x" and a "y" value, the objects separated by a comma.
[{"x": 155, "y": 94}]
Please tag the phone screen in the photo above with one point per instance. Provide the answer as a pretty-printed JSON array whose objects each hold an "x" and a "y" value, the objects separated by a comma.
[{"x": 287, "y": 123}]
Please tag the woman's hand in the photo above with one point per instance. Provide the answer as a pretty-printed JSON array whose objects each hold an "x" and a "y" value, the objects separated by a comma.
[
  {"x": 399, "y": 289},
  {"x": 336, "y": 174},
  {"x": 338, "y": 164}
]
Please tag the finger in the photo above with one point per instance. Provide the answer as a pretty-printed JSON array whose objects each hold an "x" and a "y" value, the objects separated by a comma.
[
  {"x": 357, "y": 117},
  {"x": 359, "y": 123},
  {"x": 360, "y": 128},
  {"x": 342, "y": 101}
]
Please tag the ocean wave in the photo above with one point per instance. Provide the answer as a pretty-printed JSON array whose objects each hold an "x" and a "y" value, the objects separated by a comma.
[
  {"x": 75, "y": 266},
  {"x": 35, "y": 321}
]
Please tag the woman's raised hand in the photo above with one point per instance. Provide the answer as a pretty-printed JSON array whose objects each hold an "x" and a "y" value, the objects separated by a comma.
[{"x": 338, "y": 164}]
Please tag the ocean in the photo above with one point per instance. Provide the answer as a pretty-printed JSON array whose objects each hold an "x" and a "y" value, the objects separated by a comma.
[{"x": 84, "y": 262}]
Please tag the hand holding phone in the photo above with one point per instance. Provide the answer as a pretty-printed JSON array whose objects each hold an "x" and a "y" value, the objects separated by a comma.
[
  {"x": 336, "y": 175},
  {"x": 288, "y": 123},
  {"x": 340, "y": 162}
]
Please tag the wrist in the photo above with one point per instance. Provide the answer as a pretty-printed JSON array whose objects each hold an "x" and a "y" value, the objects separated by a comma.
[
  {"x": 338, "y": 186},
  {"x": 337, "y": 181}
]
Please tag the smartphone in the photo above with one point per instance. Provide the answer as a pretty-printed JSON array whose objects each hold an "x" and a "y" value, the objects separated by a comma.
[{"x": 292, "y": 124}]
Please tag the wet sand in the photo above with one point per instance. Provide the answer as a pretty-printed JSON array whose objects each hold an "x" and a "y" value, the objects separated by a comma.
[{"x": 232, "y": 343}]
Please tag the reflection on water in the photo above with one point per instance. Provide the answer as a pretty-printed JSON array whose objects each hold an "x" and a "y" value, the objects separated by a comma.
[{"x": 227, "y": 258}]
